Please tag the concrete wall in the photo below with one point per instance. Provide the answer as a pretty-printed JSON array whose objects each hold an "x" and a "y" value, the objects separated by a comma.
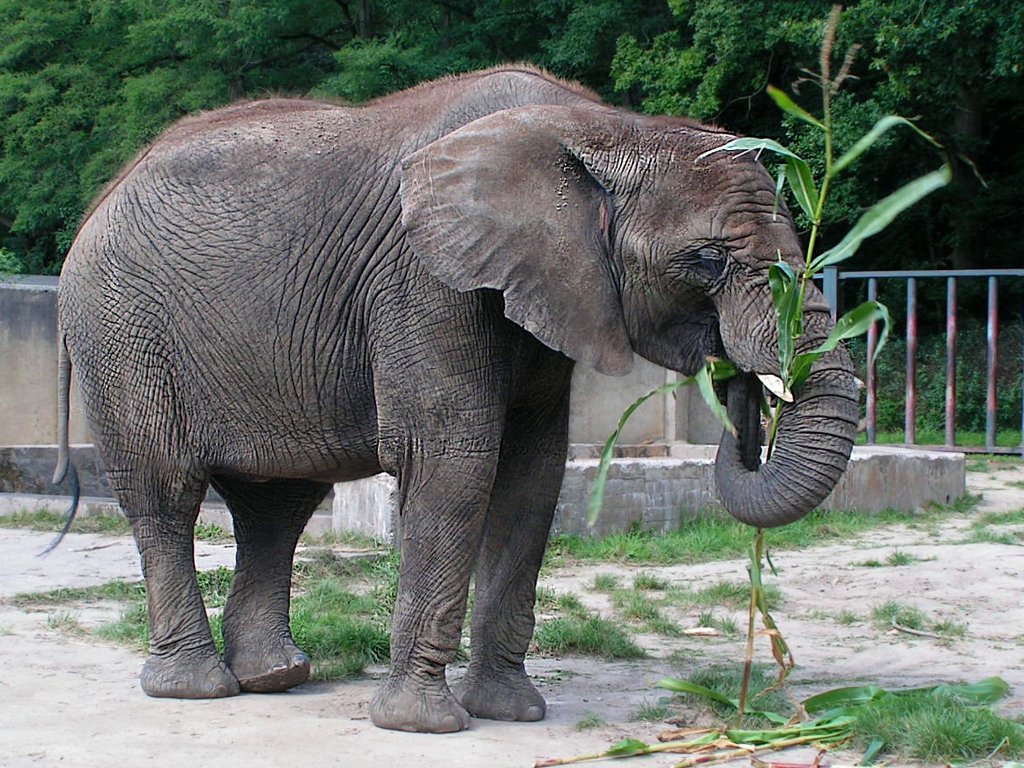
[
  {"x": 662, "y": 490},
  {"x": 28, "y": 375},
  {"x": 28, "y": 365}
]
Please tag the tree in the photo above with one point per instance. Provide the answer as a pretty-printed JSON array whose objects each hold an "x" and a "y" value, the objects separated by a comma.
[{"x": 958, "y": 66}]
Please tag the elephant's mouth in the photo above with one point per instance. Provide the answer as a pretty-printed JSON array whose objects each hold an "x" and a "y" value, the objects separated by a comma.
[{"x": 743, "y": 404}]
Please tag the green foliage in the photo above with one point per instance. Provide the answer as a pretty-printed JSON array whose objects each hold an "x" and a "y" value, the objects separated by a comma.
[
  {"x": 591, "y": 636},
  {"x": 85, "y": 83},
  {"x": 340, "y": 611},
  {"x": 931, "y": 381},
  {"x": 45, "y": 520},
  {"x": 10, "y": 264},
  {"x": 937, "y": 728},
  {"x": 958, "y": 65},
  {"x": 717, "y": 538}
]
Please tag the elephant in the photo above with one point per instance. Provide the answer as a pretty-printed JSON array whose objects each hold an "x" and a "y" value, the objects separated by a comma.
[{"x": 283, "y": 294}]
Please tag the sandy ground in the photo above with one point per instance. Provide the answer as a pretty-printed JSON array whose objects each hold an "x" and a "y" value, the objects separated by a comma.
[{"x": 75, "y": 701}]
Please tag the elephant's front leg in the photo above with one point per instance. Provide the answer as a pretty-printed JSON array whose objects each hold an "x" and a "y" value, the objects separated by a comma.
[
  {"x": 444, "y": 500},
  {"x": 522, "y": 504}
]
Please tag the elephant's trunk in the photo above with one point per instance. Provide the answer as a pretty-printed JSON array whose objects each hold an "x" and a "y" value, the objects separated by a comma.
[{"x": 811, "y": 451}]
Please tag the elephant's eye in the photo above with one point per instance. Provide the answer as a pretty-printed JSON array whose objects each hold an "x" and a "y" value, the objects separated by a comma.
[{"x": 712, "y": 260}]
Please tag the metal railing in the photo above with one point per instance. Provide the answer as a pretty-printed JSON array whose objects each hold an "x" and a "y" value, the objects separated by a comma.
[{"x": 833, "y": 277}]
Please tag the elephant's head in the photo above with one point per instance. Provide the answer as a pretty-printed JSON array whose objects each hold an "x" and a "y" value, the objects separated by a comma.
[{"x": 607, "y": 234}]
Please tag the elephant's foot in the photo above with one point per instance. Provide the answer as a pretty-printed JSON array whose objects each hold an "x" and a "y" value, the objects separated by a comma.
[
  {"x": 505, "y": 695},
  {"x": 404, "y": 703},
  {"x": 268, "y": 670},
  {"x": 190, "y": 677}
]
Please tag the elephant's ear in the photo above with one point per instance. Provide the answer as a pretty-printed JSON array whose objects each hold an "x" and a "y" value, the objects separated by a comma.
[{"x": 503, "y": 203}]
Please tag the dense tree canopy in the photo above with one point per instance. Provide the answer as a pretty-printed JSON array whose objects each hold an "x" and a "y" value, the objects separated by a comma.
[{"x": 85, "y": 83}]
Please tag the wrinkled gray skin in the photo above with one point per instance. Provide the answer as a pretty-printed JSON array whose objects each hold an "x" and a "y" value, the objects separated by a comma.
[{"x": 285, "y": 294}]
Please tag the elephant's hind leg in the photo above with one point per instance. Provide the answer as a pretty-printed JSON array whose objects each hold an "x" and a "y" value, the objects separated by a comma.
[
  {"x": 268, "y": 519},
  {"x": 183, "y": 661},
  {"x": 530, "y": 472}
]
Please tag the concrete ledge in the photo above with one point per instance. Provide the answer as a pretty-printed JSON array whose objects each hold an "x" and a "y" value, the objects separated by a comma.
[
  {"x": 653, "y": 487},
  {"x": 209, "y": 513},
  {"x": 657, "y": 487}
]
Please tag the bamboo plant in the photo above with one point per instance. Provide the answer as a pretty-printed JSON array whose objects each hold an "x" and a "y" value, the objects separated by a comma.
[{"x": 789, "y": 289}]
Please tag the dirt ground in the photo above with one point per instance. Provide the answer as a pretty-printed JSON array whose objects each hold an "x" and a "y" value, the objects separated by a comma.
[{"x": 75, "y": 701}]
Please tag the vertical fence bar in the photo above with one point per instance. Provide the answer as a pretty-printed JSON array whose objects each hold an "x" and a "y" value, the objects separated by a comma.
[
  {"x": 951, "y": 362},
  {"x": 830, "y": 287},
  {"x": 910, "y": 415},
  {"x": 872, "y": 383},
  {"x": 992, "y": 335}
]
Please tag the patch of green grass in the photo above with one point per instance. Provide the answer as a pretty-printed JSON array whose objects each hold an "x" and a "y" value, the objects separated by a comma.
[
  {"x": 348, "y": 539},
  {"x": 634, "y": 606},
  {"x": 728, "y": 679},
  {"x": 606, "y": 582},
  {"x": 977, "y": 465},
  {"x": 211, "y": 533},
  {"x": 64, "y": 621},
  {"x": 1013, "y": 517},
  {"x": 649, "y": 582},
  {"x": 588, "y": 721},
  {"x": 897, "y": 558},
  {"x": 888, "y": 613},
  {"x": 1005, "y": 438},
  {"x": 949, "y": 628},
  {"x": 981, "y": 531},
  {"x": 983, "y": 535},
  {"x": 591, "y": 636},
  {"x": 891, "y": 613},
  {"x": 937, "y": 729},
  {"x": 728, "y": 594},
  {"x": 550, "y": 601},
  {"x": 662, "y": 626},
  {"x": 44, "y": 520},
  {"x": 726, "y": 625},
  {"x": 340, "y": 611},
  {"x": 718, "y": 538},
  {"x": 214, "y": 585},
  {"x": 318, "y": 564},
  {"x": 846, "y": 618},
  {"x": 131, "y": 629},
  {"x": 656, "y": 712},
  {"x": 113, "y": 590}
]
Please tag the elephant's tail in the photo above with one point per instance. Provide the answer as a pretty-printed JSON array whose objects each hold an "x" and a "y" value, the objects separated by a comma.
[{"x": 65, "y": 469}]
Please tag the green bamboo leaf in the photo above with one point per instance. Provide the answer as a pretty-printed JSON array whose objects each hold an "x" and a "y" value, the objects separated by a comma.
[
  {"x": 704, "y": 379},
  {"x": 750, "y": 144},
  {"x": 872, "y": 752},
  {"x": 780, "y": 180},
  {"x": 987, "y": 691},
  {"x": 842, "y": 698},
  {"x": 785, "y": 289},
  {"x": 627, "y": 747},
  {"x": 676, "y": 685},
  {"x": 854, "y": 323},
  {"x": 597, "y": 495},
  {"x": 881, "y": 214},
  {"x": 868, "y": 139},
  {"x": 798, "y": 174},
  {"x": 786, "y": 104}
]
